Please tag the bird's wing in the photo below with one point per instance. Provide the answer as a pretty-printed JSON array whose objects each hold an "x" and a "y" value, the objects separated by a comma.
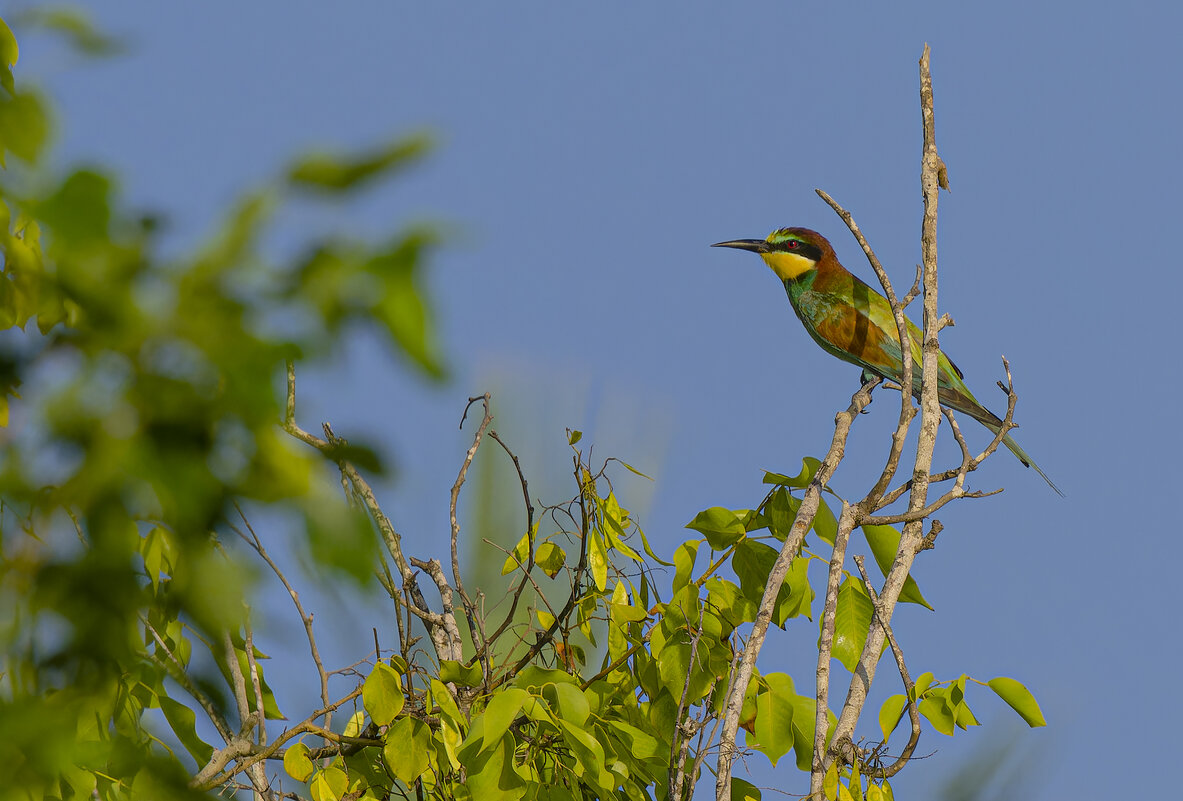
[{"x": 864, "y": 332}]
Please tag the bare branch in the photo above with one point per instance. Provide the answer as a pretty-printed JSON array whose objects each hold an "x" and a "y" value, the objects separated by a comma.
[
  {"x": 909, "y": 687},
  {"x": 907, "y": 410},
  {"x": 846, "y": 524},
  {"x": 576, "y": 582},
  {"x": 209, "y": 777},
  {"x": 742, "y": 676},
  {"x": 445, "y": 634},
  {"x": 469, "y": 609},
  {"x": 254, "y": 542},
  {"x": 358, "y": 487},
  {"x": 912, "y": 535}
]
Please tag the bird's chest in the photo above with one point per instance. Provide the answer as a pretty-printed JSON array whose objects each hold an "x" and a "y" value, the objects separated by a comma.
[{"x": 814, "y": 308}]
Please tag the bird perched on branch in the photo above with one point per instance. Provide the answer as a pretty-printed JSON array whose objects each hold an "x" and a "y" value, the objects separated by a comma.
[{"x": 852, "y": 321}]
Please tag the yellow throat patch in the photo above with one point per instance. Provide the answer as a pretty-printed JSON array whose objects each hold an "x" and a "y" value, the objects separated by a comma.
[{"x": 788, "y": 266}]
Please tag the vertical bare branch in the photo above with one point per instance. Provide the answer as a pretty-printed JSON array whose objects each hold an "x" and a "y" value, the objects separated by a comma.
[
  {"x": 439, "y": 629},
  {"x": 932, "y": 179},
  {"x": 846, "y": 524},
  {"x": 306, "y": 618},
  {"x": 911, "y": 705},
  {"x": 469, "y": 608},
  {"x": 742, "y": 676},
  {"x": 907, "y": 410}
]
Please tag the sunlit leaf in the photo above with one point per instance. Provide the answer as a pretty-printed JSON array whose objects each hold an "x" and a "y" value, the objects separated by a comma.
[
  {"x": 329, "y": 784},
  {"x": 551, "y": 558},
  {"x": 1020, "y": 699},
  {"x": 889, "y": 714},
  {"x": 297, "y": 763},
  {"x": 406, "y": 749},
  {"x": 382, "y": 694},
  {"x": 743, "y": 790},
  {"x": 884, "y": 541},
  {"x": 722, "y": 527},
  {"x": 809, "y": 466},
  {"x": 504, "y": 707},
  {"x": 774, "y": 717},
  {"x": 852, "y": 620},
  {"x": 454, "y": 672}
]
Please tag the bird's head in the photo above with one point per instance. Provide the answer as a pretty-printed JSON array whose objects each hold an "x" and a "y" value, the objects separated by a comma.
[{"x": 790, "y": 252}]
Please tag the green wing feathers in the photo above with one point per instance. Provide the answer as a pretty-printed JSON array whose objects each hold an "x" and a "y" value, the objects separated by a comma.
[{"x": 855, "y": 323}]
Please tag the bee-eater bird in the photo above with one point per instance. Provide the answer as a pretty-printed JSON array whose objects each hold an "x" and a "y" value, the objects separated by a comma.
[{"x": 852, "y": 321}]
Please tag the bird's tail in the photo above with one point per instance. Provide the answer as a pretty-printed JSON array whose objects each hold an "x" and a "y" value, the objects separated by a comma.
[{"x": 1027, "y": 461}]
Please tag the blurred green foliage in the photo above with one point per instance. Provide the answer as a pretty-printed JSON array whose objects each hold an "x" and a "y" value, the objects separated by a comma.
[{"x": 142, "y": 397}]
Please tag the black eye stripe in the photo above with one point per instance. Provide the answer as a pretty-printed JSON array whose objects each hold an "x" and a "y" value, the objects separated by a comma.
[{"x": 805, "y": 249}]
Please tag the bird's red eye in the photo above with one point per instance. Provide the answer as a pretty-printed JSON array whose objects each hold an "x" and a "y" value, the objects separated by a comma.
[{"x": 792, "y": 244}]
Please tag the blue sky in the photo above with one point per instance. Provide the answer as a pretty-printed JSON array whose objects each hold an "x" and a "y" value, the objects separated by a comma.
[{"x": 588, "y": 156}]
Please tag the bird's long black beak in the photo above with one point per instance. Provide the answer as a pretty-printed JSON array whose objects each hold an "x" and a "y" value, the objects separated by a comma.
[{"x": 754, "y": 245}]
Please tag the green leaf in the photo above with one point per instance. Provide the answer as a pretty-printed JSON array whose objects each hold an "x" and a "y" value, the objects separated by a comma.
[
  {"x": 406, "y": 749},
  {"x": 852, "y": 620},
  {"x": 534, "y": 678},
  {"x": 623, "y": 612},
  {"x": 830, "y": 783},
  {"x": 551, "y": 558},
  {"x": 614, "y": 520},
  {"x": 518, "y": 559},
  {"x": 382, "y": 694},
  {"x": 804, "y": 714},
  {"x": 9, "y": 53},
  {"x": 355, "y": 724},
  {"x": 597, "y": 559},
  {"x": 457, "y": 673},
  {"x": 24, "y": 126},
  {"x": 297, "y": 763},
  {"x": 641, "y": 743},
  {"x": 1020, "y": 699},
  {"x": 182, "y": 720},
  {"x": 884, "y": 541},
  {"x": 649, "y": 550},
  {"x": 809, "y": 466},
  {"x": 684, "y": 558},
  {"x": 922, "y": 683},
  {"x": 573, "y": 437},
  {"x": 401, "y": 307},
  {"x": 502, "y": 710},
  {"x": 329, "y": 784},
  {"x": 570, "y": 701},
  {"x": 781, "y": 510},
  {"x": 75, "y": 25},
  {"x": 752, "y": 563},
  {"x": 744, "y": 791},
  {"x": 824, "y": 523},
  {"x": 800, "y": 595},
  {"x": 634, "y": 470},
  {"x": 336, "y": 174},
  {"x": 589, "y": 754},
  {"x": 78, "y": 214},
  {"x": 936, "y": 708},
  {"x": 726, "y": 596},
  {"x": 721, "y": 527},
  {"x": 774, "y": 717},
  {"x": 447, "y": 704},
  {"x": 889, "y": 714},
  {"x": 158, "y": 553}
]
